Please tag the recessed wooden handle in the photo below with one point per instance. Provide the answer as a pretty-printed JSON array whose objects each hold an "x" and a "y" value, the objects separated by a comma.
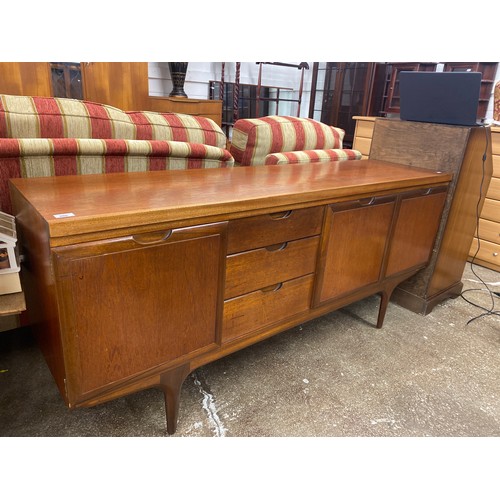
[
  {"x": 272, "y": 288},
  {"x": 277, "y": 247},
  {"x": 281, "y": 215},
  {"x": 367, "y": 201},
  {"x": 152, "y": 238}
]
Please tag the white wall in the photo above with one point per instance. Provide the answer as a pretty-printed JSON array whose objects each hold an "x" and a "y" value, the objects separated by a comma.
[{"x": 200, "y": 73}]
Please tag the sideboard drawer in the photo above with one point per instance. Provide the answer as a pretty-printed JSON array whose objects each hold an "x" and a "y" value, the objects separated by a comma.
[
  {"x": 247, "y": 313},
  {"x": 256, "y": 269},
  {"x": 269, "y": 229},
  {"x": 488, "y": 251}
]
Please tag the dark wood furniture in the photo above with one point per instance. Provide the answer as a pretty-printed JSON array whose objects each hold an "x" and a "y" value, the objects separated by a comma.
[
  {"x": 123, "y": 85},
  {"x": 391, "y": 97},
  {"x": 449, "y": 148},
  {"x": 339, "y": 91},
  {"x": 135, "y": 280},
  {"x": 488, "y": 72}
]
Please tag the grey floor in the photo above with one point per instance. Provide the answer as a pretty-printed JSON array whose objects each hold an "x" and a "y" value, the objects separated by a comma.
[{"x": 336, "y": 376}]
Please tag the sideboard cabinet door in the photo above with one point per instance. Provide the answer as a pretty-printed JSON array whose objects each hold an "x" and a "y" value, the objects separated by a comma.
[
  {"x": 353, "y": 246},
  {"x": 133, "y": 304},
  {"x": 416, "y": 228}
]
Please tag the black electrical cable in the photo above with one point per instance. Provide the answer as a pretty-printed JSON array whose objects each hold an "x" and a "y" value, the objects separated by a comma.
[{"x": 491, "y": 310}]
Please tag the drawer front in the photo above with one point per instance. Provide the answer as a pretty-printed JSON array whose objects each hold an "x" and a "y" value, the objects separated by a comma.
[
  {"x": 364, "y": 128},
  {"x": 264, "y": 230},
  {"x": 256, "y": 269},
  {"x": 495, "y": 143},
  {"x": 489, "y": 252},
  {"x": 363, "y": 145},
  {"x": 494, "y": 189},
  {"x": 489, "y": 231},
  {"x": 491, "y": 210},
  {"x": 496, "y": 165},
  {"x": 247, "y": 313}
]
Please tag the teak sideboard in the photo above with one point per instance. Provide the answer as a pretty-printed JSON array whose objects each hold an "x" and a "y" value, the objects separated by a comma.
[{"x": 135, "y": 280}]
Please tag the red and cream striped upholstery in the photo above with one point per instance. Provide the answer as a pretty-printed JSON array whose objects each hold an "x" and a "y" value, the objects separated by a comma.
[
  {"x": 44, "y": 136},
  {"x": 278, "y": 140}
]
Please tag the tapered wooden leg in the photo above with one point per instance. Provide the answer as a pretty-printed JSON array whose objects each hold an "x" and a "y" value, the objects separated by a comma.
[
  {"x": 384, "y": 302},
  {"x": 170, "y": 384},
  {"x": 385, "y": 297}
]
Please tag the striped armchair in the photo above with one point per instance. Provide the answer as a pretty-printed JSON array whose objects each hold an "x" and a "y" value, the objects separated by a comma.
[
  {"x": 45, "y": 136},
  {"x": 280, "y": 140}
]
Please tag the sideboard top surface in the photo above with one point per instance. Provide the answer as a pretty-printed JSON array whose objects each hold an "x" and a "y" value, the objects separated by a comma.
[{"x": 76, "y": 204}]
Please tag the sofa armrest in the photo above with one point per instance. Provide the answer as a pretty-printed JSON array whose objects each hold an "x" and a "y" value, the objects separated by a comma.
[{"x": 312, "y": 156}]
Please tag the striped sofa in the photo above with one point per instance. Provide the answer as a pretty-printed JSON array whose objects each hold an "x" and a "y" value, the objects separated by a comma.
[
  {"x": 44, "y": 136},
  {"x": 281, "y": 140}
]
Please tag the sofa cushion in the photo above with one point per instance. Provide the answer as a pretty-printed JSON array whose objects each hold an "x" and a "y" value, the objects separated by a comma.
[
  {"x": 53, "y": 117},
  {"x": 177, "y": 127},
  {"x": 312, "y": 156},
  {"x": 254, "y": 139}
]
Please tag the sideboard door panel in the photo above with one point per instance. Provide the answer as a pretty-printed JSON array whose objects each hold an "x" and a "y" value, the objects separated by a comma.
[
  {"x": 415, "y": 231},
  {"x": 353, "y": 246},
  {"x": 132, "y": 304}
]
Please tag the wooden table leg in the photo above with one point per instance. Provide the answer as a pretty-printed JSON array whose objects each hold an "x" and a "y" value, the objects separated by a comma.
[
  {"x": 385, "y": 296},
  {"x": 171, "y": 383}
]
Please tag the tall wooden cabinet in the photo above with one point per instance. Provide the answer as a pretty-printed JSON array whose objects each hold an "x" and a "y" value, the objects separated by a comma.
[{"x": 448, "y": 148}]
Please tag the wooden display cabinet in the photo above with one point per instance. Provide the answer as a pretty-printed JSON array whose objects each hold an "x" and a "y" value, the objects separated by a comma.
[{"x": 391, "y": 96}]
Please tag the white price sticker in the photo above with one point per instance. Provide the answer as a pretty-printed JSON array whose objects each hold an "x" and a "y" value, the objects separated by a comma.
[{"x": 63, "y": 216}]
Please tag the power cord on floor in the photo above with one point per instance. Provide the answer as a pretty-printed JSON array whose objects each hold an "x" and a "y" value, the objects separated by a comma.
[{"x": 488, "y": 311}]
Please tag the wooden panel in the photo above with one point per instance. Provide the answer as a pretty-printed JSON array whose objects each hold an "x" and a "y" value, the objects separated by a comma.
[
  {"x": 488, "y": 252},
  {"x": 269, "y": 229},
  {"x": 427, "y": 145},
  {"x": 120, "y": 84},
  {"x": 415, "y": 232},
  {"x": 197, "y": 107},
  {"x": 116, "y": 202},
  {"x": 462, "y": 218},
  {"x": 353, "y": 248},
  {"x": 249, "y": 271},
  {"x": 496, "y": 165},
  {"x": 25, "y": 78},
  {"x": 133, "y": 318},
  {"x": 363, "y": 145},
  {"x": 364, "y": 128},
  {"x": 495, "y": 140},
  {"x": 494, "y": 189},
  {"x": 491, "y": 210},
  {"x": 489, "y": 230},
  {"x": 251, "y": 312}
]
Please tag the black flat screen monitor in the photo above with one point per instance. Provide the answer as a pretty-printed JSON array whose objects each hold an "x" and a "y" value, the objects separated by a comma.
[{"x": 440, "y": 97}]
